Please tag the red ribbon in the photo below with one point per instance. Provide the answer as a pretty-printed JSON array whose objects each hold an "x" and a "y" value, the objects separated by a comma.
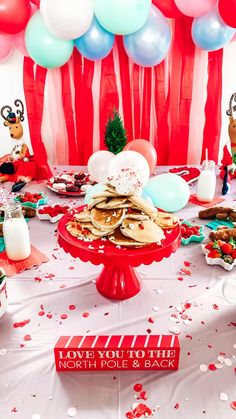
[
  {"x": 126, "y": 88},
  {"x": 212, "y": 130},
  {"x": 68, "y": 112},
  {"x": 136, "y": 98},
  {"x": 162, "y": 108},
  {"x": 34, "y": 95},
  {"x": 146, "y": 108},
  {"x": 108, "y": 95}
]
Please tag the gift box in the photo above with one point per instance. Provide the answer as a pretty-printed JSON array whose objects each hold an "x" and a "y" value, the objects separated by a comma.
[{"x": 107, "y": 353}]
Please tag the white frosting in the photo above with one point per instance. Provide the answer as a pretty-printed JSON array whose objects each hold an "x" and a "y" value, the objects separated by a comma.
[{"x": 128, "y": 182}]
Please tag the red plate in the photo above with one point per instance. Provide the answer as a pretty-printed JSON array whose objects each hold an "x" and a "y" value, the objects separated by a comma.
[{"x": 118, "y": 280}]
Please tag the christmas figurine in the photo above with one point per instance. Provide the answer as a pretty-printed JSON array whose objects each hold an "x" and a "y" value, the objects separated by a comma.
[
  {"x": 228, "y": 168},
  {"x": 18, "y": 166}
]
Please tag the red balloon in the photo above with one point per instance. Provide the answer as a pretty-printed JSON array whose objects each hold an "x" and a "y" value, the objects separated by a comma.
[
  {"x": 14, "y": 15},
  {"x": 168, "y": 8},
  {"x": 227, "y": 10},
  {"x": 147, "y": 150}
]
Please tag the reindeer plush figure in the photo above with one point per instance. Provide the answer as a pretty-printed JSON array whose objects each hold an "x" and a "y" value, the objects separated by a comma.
[
  {"x": 18, "y": 166},
  {"x": 228, "y": 168}
]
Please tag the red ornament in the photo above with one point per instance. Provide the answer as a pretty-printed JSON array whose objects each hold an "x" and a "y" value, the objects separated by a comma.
[
  {"x": 227, "y": 11},
  {"x": 14, "y": 15},
  {"x": 168, "y": 8}
]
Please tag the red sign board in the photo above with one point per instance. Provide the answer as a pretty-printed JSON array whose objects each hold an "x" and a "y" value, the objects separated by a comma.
[{"x": 107, "y": 353}]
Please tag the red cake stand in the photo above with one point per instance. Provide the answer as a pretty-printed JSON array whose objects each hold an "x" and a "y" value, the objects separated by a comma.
[{"x": 118, "y": 279}]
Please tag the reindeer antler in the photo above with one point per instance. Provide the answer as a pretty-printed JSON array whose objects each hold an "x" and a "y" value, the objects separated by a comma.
[
  {"x": 18, "y": 103},
  {"x": 9, "y": 109},
  {"x": 232, "y": 108}
]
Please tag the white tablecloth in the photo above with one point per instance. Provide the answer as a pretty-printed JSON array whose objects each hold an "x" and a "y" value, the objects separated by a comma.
[{"x": 29, "y": 384}]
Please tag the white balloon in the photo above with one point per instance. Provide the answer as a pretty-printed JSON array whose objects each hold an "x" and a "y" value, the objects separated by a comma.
[
  {"x": 129, "y": 159},
  {"x": 67, "y": 19},
  {"x": 98, "y": 165}
]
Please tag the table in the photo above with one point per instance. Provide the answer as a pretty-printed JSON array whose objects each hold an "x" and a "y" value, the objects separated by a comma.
[{"x": 29, "y": 384}]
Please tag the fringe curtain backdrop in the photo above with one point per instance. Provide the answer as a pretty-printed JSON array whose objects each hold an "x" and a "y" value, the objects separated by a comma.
[{"x": 175, "y": 105}]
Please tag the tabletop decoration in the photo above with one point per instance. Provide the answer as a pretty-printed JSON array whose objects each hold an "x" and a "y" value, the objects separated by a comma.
[
  {"x": 188, "y": 173},
  {"x": 31, "y": 200},
  {"x": 3, "y": 293},
  {"x": 107, "y": 353},
  {"x": 220, "y": 253},
  {"x": 119, "y": 231},
  {"x": 217, "y": 200},
  {"x": 191, "y": 233},
  {"x": 12, "y": 268},
  {"x": 52, "y": 213},
  {"x": 70, "y": 183}
]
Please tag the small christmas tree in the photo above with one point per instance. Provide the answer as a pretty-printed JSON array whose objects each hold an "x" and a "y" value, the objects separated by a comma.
[{"x": 115, "y": 134}]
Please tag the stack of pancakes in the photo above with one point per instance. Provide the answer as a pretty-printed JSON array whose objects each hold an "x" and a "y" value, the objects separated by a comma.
[{"x": 126, "y": 220}]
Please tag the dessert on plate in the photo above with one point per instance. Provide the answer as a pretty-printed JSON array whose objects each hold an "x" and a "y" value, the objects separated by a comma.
[{"x": 77, "y": 183}]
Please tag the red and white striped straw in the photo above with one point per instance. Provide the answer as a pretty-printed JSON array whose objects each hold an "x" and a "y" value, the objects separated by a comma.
[{"x": 3, "y": 198}]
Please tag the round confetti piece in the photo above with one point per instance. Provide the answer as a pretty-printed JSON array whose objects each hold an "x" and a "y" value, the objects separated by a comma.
[
  {"x": 64, "y": 316},
  {"x": 220, "y": 359},
  {"x": 175, "y": 330},
  {"x": 138, "y": 387},
  {"x": 3, "y": 351},
  {"x": 41, "y": 313},
  {"x": 216, "y": 307},
  {"x": 85, "y": 315},
  {"x": 228, "y": 362},
  {"x": 36, "y": 416},
  {"x": 203, "y": 367},
  {"x": 212, "y": 367},
  {"x": 156, "y": 308},
  {"x": 27, "y": 338},
  {"x": 72, "y": 307},
  {"x": 233, "y": 405},
  {"x": 71, "y": 412},
  {"x": 223, "y": 397},
  {"x": 219, "y": 366}
]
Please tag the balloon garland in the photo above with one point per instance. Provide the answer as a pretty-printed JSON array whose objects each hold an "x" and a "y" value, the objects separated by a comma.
[{"x": 91, "y": 27}]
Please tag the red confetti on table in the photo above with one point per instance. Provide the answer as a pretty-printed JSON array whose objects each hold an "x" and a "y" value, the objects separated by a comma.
[
  {"x": 21, "y": 324},
  {"x": 233, "y": 405},
  {"x": 27, "y": 338},
  {"x": 212, "y": 367},
  {"x": 176, "y": 406},
  {"x": 185, "y": 271},
  {"x": 49, "y": 316},
  {"x": 151, "y": 320},
  {"x": 180, "y": 278},
  {"x": 216, "y": 307},
  {"x": 138, "y": 387},
  {"x": 187, "y": 263},
  {"x": 71, "y": 268},
  {"x": 37, "y": 279},
  {"x": 72, "y": 307},
  {"x": 41, "y": 313},
  {"x": 143, "y": 395},
  {"x": 14, "y": 410},
  {"x": 85, "y": 314},
  {"x": 64, "y": 316}
]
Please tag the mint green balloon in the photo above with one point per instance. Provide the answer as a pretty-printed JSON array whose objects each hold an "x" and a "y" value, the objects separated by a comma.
[
  {"x": 168, "y": 192},
  {"x": 122, "y": 17},
  {"x": 43, "y": 47}
]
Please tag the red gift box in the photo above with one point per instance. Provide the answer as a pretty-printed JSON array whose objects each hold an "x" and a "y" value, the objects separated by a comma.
[{"x": 107, "y": 353}]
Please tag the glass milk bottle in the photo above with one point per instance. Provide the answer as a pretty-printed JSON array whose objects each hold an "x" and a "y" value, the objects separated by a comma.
[
  {"x": 206, "y": 185},
  {"x": 16, "y": 233}
]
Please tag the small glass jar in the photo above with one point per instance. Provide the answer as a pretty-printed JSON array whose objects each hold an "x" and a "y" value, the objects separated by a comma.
[
  {"x": 206, "y": 185},
  {"x": 16, "y": 233}
]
